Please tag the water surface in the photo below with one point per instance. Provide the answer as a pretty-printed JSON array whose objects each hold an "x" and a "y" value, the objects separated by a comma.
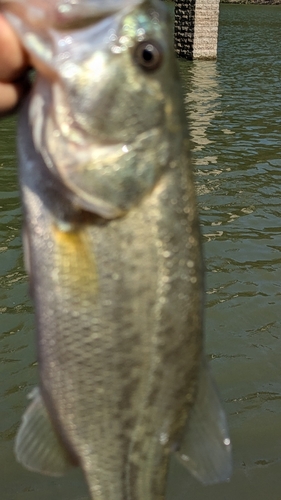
[{"x": 234, "y": 106}]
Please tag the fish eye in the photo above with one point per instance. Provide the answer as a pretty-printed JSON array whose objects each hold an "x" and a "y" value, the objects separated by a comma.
[{"x": 148, "y": 55}]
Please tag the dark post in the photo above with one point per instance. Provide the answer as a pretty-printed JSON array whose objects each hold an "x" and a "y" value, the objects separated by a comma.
[
  {"x": 196, "y": 28},
  {"x": 184, "y": 27}
]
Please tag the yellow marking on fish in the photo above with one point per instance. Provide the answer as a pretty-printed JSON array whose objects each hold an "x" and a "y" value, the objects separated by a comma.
[{"x": 75, "y": 258}]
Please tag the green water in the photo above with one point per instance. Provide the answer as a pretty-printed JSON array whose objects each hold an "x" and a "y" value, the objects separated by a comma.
[{"x": 234, "y": 106}]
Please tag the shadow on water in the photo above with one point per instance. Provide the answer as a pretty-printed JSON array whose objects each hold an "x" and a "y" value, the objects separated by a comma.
[{"x": 234, "y": 108}]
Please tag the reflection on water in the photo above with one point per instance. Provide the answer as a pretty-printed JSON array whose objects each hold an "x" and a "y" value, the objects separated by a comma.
[
  {"x": 234, "y": 107},
  {"x": 202, "y": 103},
  {"x": 202, "y": 99}
]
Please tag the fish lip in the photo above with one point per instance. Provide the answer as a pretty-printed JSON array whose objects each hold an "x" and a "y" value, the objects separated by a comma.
[{"x": 67, "y": 14}]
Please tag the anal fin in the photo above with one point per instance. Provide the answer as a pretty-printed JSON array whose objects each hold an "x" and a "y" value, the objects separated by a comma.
[
  {"x": 206, "y": 449},
  {"x": 37, "y": 446}
]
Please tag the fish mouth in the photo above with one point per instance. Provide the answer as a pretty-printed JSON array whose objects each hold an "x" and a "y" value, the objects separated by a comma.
[{"x": 65, "y": 14}]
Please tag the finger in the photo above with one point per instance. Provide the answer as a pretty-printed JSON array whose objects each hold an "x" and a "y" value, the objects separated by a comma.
[
  {"x": 11, "y": 94},
  {"x": 13, "y": 58}
]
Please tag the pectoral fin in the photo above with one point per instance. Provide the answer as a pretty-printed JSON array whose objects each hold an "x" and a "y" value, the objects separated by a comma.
[
  {"x": 206, "y": 448},
  {"x": 37, "y": 446}
]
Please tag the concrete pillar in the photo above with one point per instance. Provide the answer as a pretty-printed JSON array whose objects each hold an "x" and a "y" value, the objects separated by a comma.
[{"x": 196, "y": 28}]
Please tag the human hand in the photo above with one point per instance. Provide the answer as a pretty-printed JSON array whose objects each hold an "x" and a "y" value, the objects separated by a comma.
[{"x": 13, "y": 65}]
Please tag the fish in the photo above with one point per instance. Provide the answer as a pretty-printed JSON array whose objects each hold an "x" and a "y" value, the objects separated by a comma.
[{"x": 113, "y": 251}]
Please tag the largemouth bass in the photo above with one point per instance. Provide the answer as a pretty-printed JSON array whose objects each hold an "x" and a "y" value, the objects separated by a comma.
[{"x": 112, "y": 247}]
